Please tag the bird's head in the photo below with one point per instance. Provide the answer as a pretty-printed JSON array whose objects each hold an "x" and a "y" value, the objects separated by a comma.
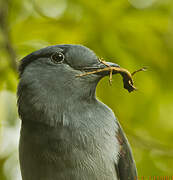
[
  {"x": 55, "y": 70},
  {"x": 51, "y": 75}
]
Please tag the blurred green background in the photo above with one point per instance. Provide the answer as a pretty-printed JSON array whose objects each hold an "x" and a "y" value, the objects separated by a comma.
[{"x": 132, "y": 33}]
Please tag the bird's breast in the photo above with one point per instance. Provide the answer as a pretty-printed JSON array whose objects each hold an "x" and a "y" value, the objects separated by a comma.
[{"x": 82, "y": 141}]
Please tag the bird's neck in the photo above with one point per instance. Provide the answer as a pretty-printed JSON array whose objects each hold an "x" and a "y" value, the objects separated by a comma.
[{"x": 48, "y": 105}]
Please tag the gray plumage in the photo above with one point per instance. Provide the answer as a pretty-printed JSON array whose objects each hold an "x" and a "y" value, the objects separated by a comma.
[{"x": 66, "y": 133}]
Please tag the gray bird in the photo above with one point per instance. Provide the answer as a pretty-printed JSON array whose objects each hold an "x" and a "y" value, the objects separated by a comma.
[{"x": 66, "y": 133}]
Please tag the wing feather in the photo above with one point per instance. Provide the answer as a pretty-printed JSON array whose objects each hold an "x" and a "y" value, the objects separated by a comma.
[{"x": 126, "y": 168}]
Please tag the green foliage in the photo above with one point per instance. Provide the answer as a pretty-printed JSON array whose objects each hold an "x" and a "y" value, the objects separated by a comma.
[{"x": 130, "y": 33}]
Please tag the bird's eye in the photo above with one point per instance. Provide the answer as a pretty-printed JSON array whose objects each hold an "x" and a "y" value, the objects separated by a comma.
[{"x": 57, "y": 57}]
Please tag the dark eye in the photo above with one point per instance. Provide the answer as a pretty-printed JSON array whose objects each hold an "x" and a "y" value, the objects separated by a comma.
[{"x": 57, "y": 57}]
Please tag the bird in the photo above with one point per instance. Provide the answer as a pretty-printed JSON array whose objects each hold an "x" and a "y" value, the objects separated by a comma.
[{"x": 66, "y": 132}]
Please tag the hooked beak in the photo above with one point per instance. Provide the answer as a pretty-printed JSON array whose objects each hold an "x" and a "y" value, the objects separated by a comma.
[{"x": 101, "y": 65}]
